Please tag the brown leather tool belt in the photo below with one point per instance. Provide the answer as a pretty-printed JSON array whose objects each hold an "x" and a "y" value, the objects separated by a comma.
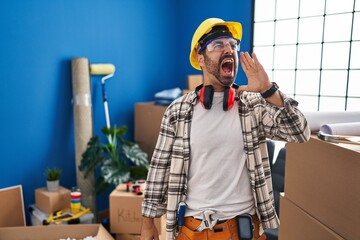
[{"x": 226, "y": 229}]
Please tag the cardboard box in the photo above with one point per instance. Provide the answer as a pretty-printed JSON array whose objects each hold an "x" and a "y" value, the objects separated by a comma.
[
  {"x": 147, "y": 125},
  {"x": 52, "y": 201},
  {"x": 125, "y": 212},
  {"x": 194, "y": 80},
  {"x": 323, "y": 179},
  {"x": 296, "y": 224},
  {"x": 185, "y": 91},
  {"x": 79, "y": 231},
  {"x": 12, "y": 207}
]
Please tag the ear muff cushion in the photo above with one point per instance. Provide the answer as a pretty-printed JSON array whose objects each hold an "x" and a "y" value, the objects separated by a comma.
[
  {"x": 206, "y": 96},
  {"x": 229, "y": 98}
]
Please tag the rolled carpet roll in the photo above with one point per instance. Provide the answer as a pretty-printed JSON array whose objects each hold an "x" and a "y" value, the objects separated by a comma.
[{"x": 83, "y": 125}]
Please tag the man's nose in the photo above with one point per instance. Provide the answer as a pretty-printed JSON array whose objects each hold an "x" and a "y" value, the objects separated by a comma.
[{"x": 228, "y": 48}]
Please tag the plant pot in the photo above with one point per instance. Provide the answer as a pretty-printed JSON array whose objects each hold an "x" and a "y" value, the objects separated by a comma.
[{"x": 52, "y": 186}]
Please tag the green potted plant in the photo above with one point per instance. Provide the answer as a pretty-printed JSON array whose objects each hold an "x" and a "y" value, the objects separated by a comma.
[
  {"x": 52, "y": 176},
  {"x": 118, "y": 160}
]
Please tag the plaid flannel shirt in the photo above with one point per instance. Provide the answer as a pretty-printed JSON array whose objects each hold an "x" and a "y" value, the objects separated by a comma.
[{"x": 167, "y": 179}]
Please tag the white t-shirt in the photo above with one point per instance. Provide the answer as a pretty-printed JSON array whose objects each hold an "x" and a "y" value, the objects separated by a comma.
[{"x": 218, "y": 177}]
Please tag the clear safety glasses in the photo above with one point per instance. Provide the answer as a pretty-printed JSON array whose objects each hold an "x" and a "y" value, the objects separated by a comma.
[{"x": 219, "y": 44}]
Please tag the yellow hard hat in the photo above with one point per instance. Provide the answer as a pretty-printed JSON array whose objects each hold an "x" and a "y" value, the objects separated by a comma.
[{"x": 205, "y": 27}]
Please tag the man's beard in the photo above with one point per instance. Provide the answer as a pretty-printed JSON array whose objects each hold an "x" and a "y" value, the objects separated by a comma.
[{"x": 214, "y": 69}]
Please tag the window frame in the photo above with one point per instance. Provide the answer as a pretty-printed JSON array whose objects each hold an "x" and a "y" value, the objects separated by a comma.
[{"x": 324, "y": 94}]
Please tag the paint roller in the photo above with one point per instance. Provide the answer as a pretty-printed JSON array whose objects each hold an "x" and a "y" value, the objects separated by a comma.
[{"x": 108, "y": 71}]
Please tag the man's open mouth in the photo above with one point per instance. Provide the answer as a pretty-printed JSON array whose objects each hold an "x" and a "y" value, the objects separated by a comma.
[{"x": 227, "y": 66}]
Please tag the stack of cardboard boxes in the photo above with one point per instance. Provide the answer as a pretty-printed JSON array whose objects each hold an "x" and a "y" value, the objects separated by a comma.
[
  {"x": 322, "y": 191},
  {"x": 147, "y": 125},
  {"x": 148, "y": 118}
]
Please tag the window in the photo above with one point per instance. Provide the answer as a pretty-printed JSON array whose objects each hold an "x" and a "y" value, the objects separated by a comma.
[{"x": 312, "y": 50}]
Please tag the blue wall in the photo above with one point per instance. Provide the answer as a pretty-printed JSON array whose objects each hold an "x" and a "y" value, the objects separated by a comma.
[{"x": 147, "y": 41}]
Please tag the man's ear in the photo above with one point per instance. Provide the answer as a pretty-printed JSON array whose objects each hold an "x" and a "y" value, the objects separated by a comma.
[{"x": 200, "y": 59}]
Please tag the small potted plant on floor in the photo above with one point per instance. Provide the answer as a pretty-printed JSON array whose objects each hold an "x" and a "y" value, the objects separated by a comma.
[{"x": 52, "y": 178}]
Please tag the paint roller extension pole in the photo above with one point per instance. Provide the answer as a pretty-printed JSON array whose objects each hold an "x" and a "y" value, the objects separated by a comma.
[
  {"x": 108, "y": 70},
  {"x": 106, "y": 107}
]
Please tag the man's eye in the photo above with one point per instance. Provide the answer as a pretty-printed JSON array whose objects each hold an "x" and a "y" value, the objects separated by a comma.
[{"x": 218, "y": 45}]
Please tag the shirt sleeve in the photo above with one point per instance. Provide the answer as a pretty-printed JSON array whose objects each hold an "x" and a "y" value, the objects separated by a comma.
[
  {"x": 286, "y": 123},
  {"x": 154, "y": 204}
]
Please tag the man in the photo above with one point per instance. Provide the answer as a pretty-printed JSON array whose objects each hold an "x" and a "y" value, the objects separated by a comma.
[{"x": 211, "y": 152}]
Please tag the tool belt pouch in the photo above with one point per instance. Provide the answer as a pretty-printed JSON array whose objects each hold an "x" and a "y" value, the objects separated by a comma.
[
  {"x": 245, "y": 226},
  {"x": 188, "y": 234}
]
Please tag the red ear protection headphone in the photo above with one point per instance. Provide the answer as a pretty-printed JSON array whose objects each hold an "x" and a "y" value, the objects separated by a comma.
[{"x": 206, "y": 94}]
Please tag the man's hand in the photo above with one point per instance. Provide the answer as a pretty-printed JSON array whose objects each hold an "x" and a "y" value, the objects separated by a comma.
[
  {"x": 258, "y": 80},
  {"x": 148, "y": 229}
]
